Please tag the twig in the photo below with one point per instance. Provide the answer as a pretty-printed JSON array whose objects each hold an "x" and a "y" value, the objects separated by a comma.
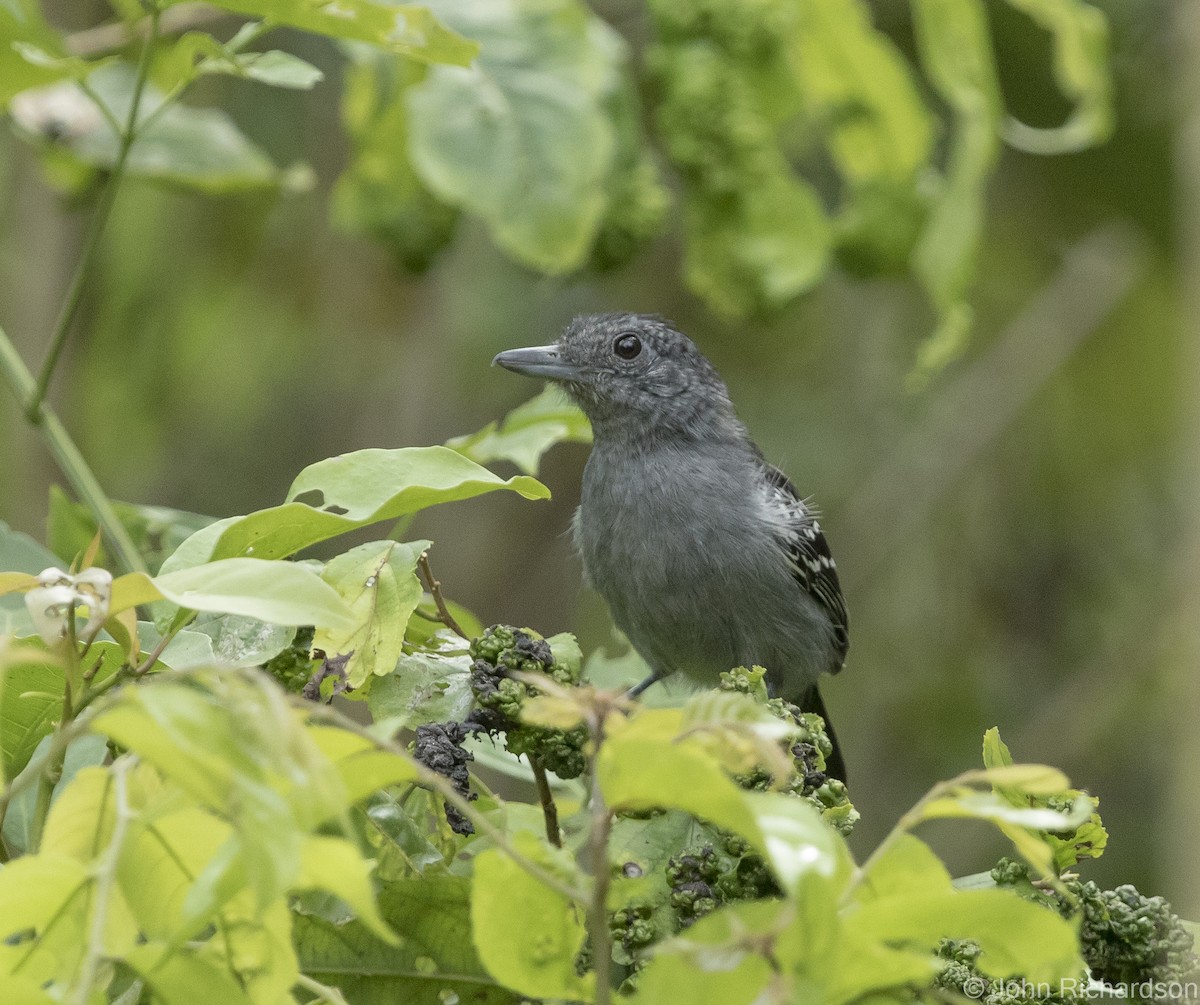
[
  {"x": 435, "y": 591},
  {"x": 546, "y": 798},
  {"x": 116, "y": 35},
  {"x": 70, "y": 461},
  {"x": 108, "y": 197}
]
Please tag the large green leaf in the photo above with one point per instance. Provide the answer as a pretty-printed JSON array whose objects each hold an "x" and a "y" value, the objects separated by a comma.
[
  {"x": 283, "y": 593},
  {"x": 435, "y": 962},
  {"x": 21, "y": 23},
  {"x": 347, "y": 492},
  {"x": 45, "y": 895},
  {"x": 32, "y": 680},
  {"x": 177, "y": 976},
  {"x": 855, "y": 77},
  {"x": 1017, "y": 936},
  {"x": 879, "y": 131},
  {"x": 527, "y": 432},
  {"x": 404, "y": 29},
  {"x": 787, "y": 832},
  {"x": 200, "y": 148},
  {"x": 379, "y": 584},
  {"x": 537, "y": 956},
  {"x": 379, "y": 193},
  {"x": 523, "y": 138},
  {"x": 716, "y": 964},
  {"x": 426, "y": 687}
]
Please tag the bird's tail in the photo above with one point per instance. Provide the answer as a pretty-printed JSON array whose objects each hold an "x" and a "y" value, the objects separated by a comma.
[{"x": 813, "y": 702}]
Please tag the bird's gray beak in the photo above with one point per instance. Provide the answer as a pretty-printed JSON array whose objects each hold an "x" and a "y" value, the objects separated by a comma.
[{"x": 538, "y": 361}]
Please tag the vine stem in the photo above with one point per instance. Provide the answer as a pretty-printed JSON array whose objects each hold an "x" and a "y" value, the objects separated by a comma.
[
  {"x": 70, "y": 307},
  {"x": 70, "y": 461},
  {"x": 546, "y": 798}
]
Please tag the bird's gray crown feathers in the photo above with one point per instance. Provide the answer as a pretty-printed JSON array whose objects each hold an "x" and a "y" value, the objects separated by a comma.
[{"x": 634, "y": 374}]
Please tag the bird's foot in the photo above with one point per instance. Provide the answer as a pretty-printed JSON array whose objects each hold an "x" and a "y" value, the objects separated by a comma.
[{"x": 637, "y": 689}]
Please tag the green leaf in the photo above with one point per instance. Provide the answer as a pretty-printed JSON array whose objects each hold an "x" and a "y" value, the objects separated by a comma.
[
  {"x": 404, "y": 29},
  {"x": 19, "y": 553},
  {"x": 16, "y": 990},
  {"x": 760, "y": 252},
  {"x": 45, "y": 894},
  {"x": 283, "y": 593},
  {"x": 82, "y": 753},
  {"x": 233, "y": 640},
  {"x": 404, "y": 850},
  {"x": 347, "y": 492},
  {"x": 854, "y": 76},
  {"x": 956, "y": 52},
  {"x": 1081, "y": 57},
  {"x": 1017, "y": 936},
  {"x": 379, "y": 193},
  {"x": 993, "y": 807},
  {"x": 80, "y": 822},
  {"x": 176, "y": 976},
  {"x": 21, "y": 22},
  {"x": 716, "y": 964},
  {"x": 378, "y": 583},
  {"x": 435, "y": 963},
  {"x": 426, "y": 687},
  {"x": 788, "y": 832},
  {"x": 879, "y": 131},
  {"x": 523, "y": 138},
  {"x": 32, "y": 681},
  {"x": 232, "y": 742},
  {"x": 907, "y": 866},
  {"x": 527, "y": 432},
  {"x": 362, "y": 767},
  {"x": 335, "y": 865},
  {"x": 537, "y": 956},
  {"x": 200, "y": 148},
  {"x": 156, "y": 530}
]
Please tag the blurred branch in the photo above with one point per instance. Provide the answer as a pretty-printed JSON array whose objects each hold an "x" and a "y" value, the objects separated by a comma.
[
  {"x": 106, "y": 38},
  {"x": 70, "y": 460},
  {"x": 1182, "y": 813},
  {"x": 74, "y": 297},
  {"x": 972, "y": 411}
]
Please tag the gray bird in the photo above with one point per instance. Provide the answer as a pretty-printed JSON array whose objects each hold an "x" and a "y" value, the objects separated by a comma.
[{"x": 705, "y": 554}]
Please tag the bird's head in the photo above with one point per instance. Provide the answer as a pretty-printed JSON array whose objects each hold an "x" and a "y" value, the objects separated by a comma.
[{"x": 632, "y": 372}]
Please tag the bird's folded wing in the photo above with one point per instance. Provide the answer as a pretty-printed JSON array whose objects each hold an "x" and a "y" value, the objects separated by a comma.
[{"x": 811, "y": 560}]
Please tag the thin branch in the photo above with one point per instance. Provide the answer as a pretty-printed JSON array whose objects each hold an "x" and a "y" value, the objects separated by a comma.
[
  {"x": 70, "y": 461},
  {"x": 546, "y": 798},
  {"x": 108, "y": 197},
  {"x": 435, "y": 591},
  {"x": 115, "y": 35}
]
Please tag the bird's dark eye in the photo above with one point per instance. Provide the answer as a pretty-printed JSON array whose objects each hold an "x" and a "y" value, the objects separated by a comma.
[{"x": 627, "y": 346}]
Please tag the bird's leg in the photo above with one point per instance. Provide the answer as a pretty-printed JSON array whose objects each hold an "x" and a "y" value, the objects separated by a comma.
[{"x": 637, "y": 689}]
